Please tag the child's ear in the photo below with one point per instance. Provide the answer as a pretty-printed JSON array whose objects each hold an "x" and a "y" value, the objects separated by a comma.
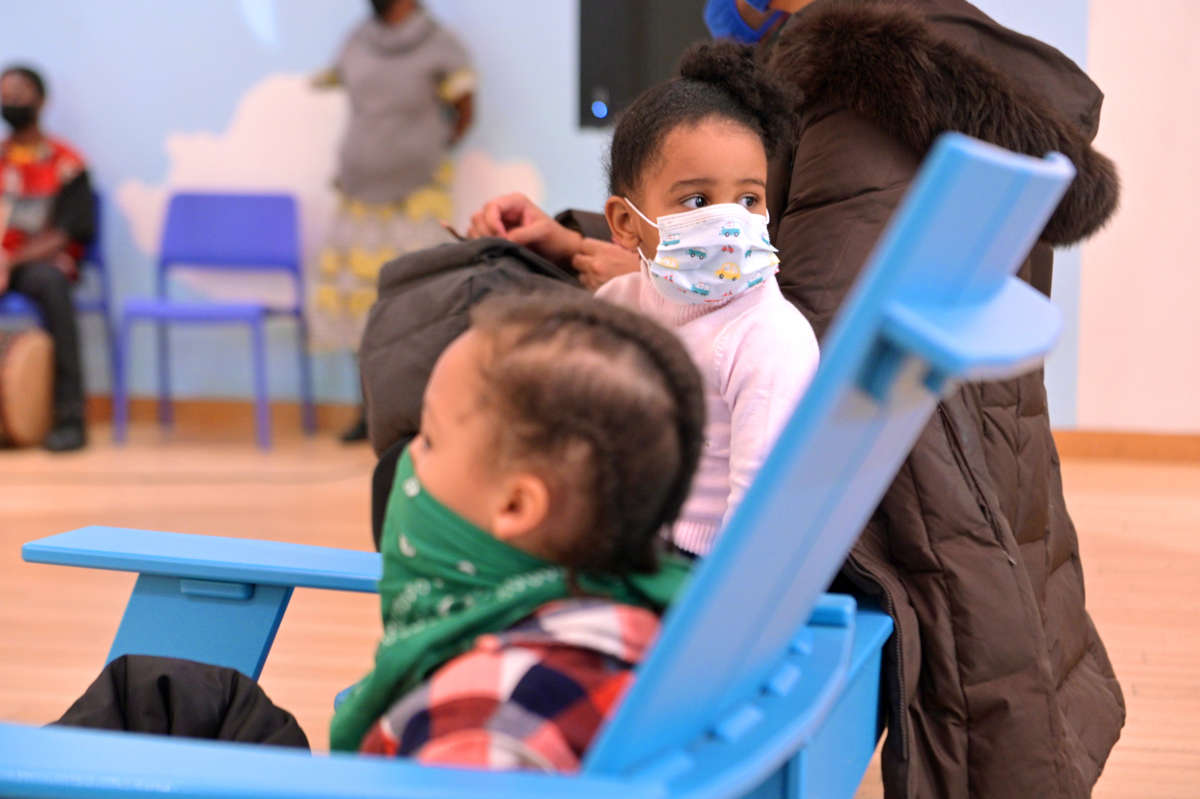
[
  {"x": 622, "y": 223},
  {"x": 524, "y": 506}
]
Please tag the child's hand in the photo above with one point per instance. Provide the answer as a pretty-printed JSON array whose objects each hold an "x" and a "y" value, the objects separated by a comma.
[
  {"x": 515, "y": 217},
  {"x": 598, "y": 262},
  {"x": 504, "y": 213}
]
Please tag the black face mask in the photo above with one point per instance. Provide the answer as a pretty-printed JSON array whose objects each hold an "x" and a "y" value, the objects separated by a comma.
[{"x": 19, "y": 117}]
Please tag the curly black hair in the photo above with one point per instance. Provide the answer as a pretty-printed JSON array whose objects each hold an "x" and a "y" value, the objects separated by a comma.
[
  {"x": 608, "y": 407},
  {"x": 30, "y": 74},
  {"x": 716, "y": 79}
]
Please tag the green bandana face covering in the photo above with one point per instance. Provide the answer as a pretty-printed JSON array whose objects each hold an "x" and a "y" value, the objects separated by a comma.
[{"x": 445, "y": 582}]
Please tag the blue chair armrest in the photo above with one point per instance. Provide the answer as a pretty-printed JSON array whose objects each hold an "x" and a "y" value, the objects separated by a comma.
[
  {"x": 57, "y": 761},
  {"x": 207, "y": 598},
  {"x": 1008, "y": 334},
  {"x": 205, "y": 557}
]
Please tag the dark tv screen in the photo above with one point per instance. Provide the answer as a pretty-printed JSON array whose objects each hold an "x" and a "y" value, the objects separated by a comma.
[{"x": 626, "y": 46}]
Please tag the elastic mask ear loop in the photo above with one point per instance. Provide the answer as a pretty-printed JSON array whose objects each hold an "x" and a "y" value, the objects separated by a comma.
[
  {"x": 638, "y": 211},
  {"x": 641, "y": 256}
]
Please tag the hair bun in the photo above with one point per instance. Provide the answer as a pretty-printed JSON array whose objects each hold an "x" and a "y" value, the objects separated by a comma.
[
  {"x": 717, "y": 79},
  {"x": 734, "y": 67},
  {"x": 723, "y": 62}
]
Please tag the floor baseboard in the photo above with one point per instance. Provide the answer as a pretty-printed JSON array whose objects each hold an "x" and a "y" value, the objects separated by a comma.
[
  {"x": 1119, "y": 445},
  {"x": 226, "y": 415}
]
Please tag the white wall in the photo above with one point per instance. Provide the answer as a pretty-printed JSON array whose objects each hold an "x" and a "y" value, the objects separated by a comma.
[
  {"x": 1064, "y": 25},
  {"x": 1139, "y": 364}
]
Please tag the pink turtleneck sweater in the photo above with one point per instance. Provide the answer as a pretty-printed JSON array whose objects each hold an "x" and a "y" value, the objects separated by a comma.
[{"x": 757, "y": 354}]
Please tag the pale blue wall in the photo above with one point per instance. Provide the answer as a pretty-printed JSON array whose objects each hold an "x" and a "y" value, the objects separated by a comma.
[
  {"x": 123, "y": 75},
  {"x": 126, "y": 73}
]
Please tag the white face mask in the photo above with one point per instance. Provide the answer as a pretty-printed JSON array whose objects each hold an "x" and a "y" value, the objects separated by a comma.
[{"x": 709, "y": 255}]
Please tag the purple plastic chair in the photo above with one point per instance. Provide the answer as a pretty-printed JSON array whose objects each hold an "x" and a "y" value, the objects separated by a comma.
[
  {"x": 233, "y": 233},
  {"x": 16, "y": 304}
]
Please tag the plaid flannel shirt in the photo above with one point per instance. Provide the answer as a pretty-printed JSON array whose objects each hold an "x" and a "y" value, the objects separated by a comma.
[{"x": 532, "y": 697}]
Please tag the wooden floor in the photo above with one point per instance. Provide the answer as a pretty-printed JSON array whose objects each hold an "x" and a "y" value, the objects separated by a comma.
[{"x": 1139, "y": 526}]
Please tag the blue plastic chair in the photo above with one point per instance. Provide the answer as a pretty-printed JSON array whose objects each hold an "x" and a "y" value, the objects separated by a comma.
[
  {"x": 228, "y": 232},
  {"x": 15, "y": 304},
  {"x": 758, "y": 686}
]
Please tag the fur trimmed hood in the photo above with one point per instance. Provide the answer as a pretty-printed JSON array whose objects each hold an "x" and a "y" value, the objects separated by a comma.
[{"x": 884, "y": 61}]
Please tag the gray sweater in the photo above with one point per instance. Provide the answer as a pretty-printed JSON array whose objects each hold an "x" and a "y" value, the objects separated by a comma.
[{"x": 400, "y": 80}]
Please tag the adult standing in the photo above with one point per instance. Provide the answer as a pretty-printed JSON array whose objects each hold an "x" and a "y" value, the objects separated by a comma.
[
  {"x": 411, "y": 87},
  {"x": 998, "y": 683},
  {"x": 49, "y": 217}
]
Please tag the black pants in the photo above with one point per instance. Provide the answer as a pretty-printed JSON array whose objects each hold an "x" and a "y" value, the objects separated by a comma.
[{"x": 50, "y": 290}]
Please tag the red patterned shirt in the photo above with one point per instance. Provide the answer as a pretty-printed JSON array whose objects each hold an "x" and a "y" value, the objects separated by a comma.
[{"x": 44, "y": 186}]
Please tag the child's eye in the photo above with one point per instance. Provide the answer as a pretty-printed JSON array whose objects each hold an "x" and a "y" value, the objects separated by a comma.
[
  {"x": 695, "y": 201},
  {"x": 749, "y": 200}
]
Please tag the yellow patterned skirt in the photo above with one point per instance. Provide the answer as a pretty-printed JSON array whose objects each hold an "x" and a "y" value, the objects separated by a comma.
[{"x": 361, "y": 239}]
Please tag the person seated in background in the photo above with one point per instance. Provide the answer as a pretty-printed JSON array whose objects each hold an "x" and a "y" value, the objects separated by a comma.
[
  {"x": 523, "y": 536},
  {"x": 47, "y": 218}
]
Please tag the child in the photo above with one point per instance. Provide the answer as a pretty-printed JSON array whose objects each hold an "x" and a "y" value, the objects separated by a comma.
[
  {"x": 557, "y": 439},
  {"x": 522, "y": 580},
  {"x": 692, "y": 153}
]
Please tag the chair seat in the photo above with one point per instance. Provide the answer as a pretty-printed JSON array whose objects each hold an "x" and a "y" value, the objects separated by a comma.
[
  {"x": 170, "y": 310},
  {"x": 91, "y": 306},
  {"x": 14, "y": 303}
]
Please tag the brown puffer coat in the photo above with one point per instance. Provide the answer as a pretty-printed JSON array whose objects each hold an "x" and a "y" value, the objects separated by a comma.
[{"x": 999, "y": 683}]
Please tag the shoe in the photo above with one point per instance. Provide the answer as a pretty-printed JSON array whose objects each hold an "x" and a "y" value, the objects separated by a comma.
[
  {"x": 356, "y": 432},
  {"x": 66, "y": 437}
]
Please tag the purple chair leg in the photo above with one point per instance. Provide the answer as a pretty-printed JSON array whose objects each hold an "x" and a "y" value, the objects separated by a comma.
[
  {"x": 119, "y": 385},
  {"x": 307, "y": 410},
  {"x": 166, "y": 413},
  {"x": 262, "y": 408},
  {"x": 110, "y": 339}
]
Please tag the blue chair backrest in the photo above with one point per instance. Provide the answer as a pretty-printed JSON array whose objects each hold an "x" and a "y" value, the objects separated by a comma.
[
  {"x": 231, "y": 232},
  {"x": 973, "y": 207},
  {"x": 100, "y": 300},
  {"x": 95, "y": 250}
]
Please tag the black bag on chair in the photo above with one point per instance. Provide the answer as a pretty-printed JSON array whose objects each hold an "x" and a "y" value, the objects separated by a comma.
[
  {"x": 183, "y": 698},
  {"x": 424, "y": 303}
]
